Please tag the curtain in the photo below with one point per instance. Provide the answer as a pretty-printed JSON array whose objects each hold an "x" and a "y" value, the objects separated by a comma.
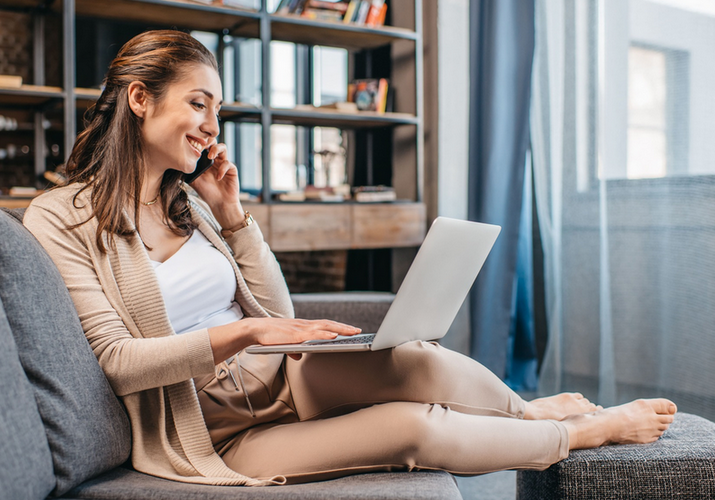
[
  {"x": 501, "y": 51},
  {"x": 624, "y": 170}
]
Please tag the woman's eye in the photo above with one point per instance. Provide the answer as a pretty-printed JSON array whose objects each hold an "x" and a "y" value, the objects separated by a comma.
[{"x": 198, "y": 105}]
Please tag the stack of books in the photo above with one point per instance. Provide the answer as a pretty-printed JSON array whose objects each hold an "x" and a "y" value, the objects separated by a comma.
[
  {"x": 374, "y": 194},
  {"x": 366, "y": 12},
  {"x": 363, "y": 12}
]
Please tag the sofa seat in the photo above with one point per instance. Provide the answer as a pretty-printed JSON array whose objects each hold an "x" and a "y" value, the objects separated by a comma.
[
  {"x": 121, "y": 483},
  {"x": 681, "y": 464}
]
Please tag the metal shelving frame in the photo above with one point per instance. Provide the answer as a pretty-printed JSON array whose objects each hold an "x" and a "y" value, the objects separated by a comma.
[{"x": 259, "y": 24}]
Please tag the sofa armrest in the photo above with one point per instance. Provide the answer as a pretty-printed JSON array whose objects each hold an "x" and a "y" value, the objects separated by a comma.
[{"x": 365, "y": 310}]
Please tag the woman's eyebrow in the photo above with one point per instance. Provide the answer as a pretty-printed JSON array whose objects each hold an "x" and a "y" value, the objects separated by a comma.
[{"x": 208, "y": 94}]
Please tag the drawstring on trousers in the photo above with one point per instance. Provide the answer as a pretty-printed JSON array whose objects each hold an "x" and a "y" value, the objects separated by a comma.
[{"x": 240, "y": 379}]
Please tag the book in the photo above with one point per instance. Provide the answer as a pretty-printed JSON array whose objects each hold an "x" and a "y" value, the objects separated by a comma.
[
  {"x": 55, "y": 178},
  {"x": 339, "y": 6},
  {"x": 297, "y": 6},
  {"x": 344, "y": 107},
  {"x": 282, "y": 7},
  {"x": 362, "y": 11},
  {"x": 373, "y": 13},
  {"x": 369, "y": 94},
  {"x": 292, "y": 196},
  {"x": 24, "y": 192},
  {"x": 379, "y": 19},
  {"x": 322, "y": 15},
  {"x": 324, "y": 194},
  {"x": 350, "y": 12},
  {"x": 374, "y": 194},
  {"x": 11, "y": 81}
]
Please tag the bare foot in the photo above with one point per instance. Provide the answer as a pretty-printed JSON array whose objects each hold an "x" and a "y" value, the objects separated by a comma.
[
  {"x": 558, "y": 407},
  {"x": 637, "y": 422}
]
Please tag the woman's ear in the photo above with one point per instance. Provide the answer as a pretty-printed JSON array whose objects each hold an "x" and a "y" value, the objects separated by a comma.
[{"x": 138, "y": 98}]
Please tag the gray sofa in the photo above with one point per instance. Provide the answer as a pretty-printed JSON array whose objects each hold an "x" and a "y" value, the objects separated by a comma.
[{"x": 64, "y": 434}]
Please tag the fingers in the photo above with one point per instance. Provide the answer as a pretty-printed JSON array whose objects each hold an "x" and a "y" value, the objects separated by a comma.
[
  {"x": 218, "y": 153},
  {"x": 270, "y": 331},
  {"x": 334, "y": 326}
]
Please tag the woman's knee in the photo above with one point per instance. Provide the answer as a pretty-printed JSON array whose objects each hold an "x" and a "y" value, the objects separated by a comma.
[
  {"x": 411, "y": 429},
  {"x": 428, "y": 364}
]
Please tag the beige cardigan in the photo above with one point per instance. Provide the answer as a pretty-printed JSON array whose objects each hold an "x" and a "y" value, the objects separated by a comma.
[{"x": 123, "y": 316}]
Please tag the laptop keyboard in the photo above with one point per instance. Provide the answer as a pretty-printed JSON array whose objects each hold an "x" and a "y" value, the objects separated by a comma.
[{"x": 360, "y": 339}]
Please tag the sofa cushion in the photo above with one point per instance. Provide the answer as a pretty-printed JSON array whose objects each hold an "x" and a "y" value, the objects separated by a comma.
[
  {"x": 365, "y": 310},
  {"x": 128, "y": 484},
  {"x": 25, "y": 459},
  {"x": 680, "y": 464},
  {"x": 87, "y": 428}
]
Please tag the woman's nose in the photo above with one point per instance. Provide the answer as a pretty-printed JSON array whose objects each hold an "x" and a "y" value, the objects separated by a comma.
[{"x": 211, "y": 126}]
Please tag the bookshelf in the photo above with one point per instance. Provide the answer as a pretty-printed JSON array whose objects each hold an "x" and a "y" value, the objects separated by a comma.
[{"x": 351, "y": 225}]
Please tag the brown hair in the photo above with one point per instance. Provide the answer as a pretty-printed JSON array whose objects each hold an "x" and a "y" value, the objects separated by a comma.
[{"x": 108, "y": 155}]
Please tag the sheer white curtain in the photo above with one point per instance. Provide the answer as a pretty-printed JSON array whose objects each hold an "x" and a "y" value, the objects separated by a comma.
[{"x": 623, "y": 144}]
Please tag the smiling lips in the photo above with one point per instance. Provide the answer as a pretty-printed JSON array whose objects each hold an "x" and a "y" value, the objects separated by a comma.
[{"x": 196, "y": 145}]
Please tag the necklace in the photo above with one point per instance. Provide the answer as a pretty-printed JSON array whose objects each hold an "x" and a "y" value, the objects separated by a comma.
[{"x": 149, "y": 203}]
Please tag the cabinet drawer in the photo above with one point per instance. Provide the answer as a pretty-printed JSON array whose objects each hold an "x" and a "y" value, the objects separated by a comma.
[
  {"x": 388, "y": 225},
  {"x": 309, "y": 227}
]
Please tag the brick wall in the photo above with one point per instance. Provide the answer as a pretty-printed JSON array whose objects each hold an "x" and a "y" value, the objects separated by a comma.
[{"x": 317, "y": 271}]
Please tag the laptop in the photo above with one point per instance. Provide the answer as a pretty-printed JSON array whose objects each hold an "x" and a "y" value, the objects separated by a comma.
[{"x": 430, "y": 296}]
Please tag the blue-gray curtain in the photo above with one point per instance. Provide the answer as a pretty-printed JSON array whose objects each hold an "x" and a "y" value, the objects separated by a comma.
[{"x": 501, "y": 51}]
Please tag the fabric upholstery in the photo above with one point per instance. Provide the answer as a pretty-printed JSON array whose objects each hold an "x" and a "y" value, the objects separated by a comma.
[
  {"x": 679, "y": 465},
  {"x": 87, "y": 429},
  {"x": 130, "y": 485},
  {"x": 365, "y": 310},
  {"x": 25, "y": 459}
]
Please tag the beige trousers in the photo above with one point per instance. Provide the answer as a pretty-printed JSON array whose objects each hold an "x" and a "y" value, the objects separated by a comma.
[{"x": 417, "y": 406}]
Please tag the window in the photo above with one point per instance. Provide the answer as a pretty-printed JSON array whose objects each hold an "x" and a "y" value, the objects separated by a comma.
[
  {"x": 647, "y": 125},
  {"x": 655, "y": 76}
]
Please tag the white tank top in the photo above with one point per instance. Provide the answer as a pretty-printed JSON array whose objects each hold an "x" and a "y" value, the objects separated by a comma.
[{"x": 198, "y": 286}]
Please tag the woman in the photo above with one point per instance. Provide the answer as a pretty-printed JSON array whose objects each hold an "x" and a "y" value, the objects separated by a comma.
[{"x": 169, "y": 288}]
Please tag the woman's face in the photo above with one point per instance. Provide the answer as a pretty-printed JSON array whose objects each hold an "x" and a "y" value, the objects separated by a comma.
[{"x": 185, "y": 122}]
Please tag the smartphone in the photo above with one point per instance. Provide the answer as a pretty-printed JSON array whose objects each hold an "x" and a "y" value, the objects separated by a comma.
[{"x": 201, "y": 166}]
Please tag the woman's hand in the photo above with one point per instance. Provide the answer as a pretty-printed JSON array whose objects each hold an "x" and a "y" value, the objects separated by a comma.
[
  {"x": 219, "y": 187},
  {"x": 227, "y": 340}
]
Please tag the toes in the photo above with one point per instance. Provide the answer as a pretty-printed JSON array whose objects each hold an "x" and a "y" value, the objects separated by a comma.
[{"x": 662, "y": 406}]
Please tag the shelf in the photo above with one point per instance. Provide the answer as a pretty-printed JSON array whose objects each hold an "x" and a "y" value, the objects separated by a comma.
[
  {"x": 293, "y": 227},
  {"x": 179, "y": 13},
  {"x": 229, "y": 111},
  {"x": 348, "y": 36},
  {"x": 302, "y": 117},
  {"x": 14, "y": 202},
  {"x": 86, "y": 97},
  {"x": 330, "y": 118},
  {"x": 236, "y": 110},
  {"x": 20, "y": 4},
  {"x": 29, "y": 95}
]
